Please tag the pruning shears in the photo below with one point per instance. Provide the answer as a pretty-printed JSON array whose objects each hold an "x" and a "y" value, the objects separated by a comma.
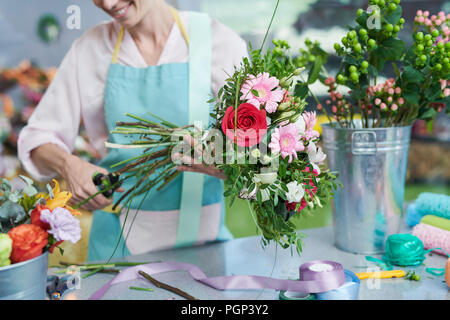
[
  {"x": 110, "y": 183},
  {"x": 56, "y": 286}
]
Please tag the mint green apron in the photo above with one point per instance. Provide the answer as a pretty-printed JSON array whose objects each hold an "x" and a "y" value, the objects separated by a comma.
[{"x": 177, "y": 92}]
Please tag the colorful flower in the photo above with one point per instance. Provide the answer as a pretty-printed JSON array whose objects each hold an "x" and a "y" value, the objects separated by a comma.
[
  {"x": 63, "y": 225},
  {"x": 310, "y": 122},
  {"x": 36, "y": 217},
  {"x": 316, "y": 156},
  {"x": 295, "y": 192},
  {"x": 29, "y": 241},
  {"x": 292, "y": 205},
  {"x": 60, "y": 200},
  {"x": 251, "y": 125},
  {"x": 286, "y": 140},
  {"x": 263, "y": 90}
]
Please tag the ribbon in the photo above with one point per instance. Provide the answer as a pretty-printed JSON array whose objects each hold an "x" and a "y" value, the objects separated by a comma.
[{"x": 315, "y": 277}]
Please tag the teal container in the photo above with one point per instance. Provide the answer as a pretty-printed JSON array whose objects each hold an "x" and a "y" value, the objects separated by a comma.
[{"x": 26, "y": 280}]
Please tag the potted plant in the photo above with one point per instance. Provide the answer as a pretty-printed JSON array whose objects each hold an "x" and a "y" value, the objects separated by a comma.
[
  {"x": 367, "y": 137},
  {"x": 32, "y": 224}
]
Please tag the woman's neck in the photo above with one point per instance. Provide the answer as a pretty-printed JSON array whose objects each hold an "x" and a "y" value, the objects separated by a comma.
[{"x": 155, "y": 26}]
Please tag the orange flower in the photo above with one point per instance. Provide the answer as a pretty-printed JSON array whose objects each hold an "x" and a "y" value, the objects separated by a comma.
[
  {"x": 29, "y": 241},
  {"x": 60, "y": 200}
]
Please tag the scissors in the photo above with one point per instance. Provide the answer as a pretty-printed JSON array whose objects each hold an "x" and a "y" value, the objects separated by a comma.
[{"x": 106, "y": 182}]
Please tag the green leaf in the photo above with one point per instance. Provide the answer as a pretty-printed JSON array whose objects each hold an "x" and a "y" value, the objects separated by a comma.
[
  {"x": 315, "y": 70},
  {"x": 412, "y": 75},
  {"x": 391, "y": 49},
  {"x": 394, "y": 16},
  {"x": 428, "y": 114},
  {"x": 301, "y": 90},
  {"x": 255, "y": 93},
  {"x": 433, "y": 92}
]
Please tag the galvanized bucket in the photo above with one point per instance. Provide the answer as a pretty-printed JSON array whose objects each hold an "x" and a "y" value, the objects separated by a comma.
[
  {"x": 26, "y": 280},
  {"x": 372, "y": 167}
]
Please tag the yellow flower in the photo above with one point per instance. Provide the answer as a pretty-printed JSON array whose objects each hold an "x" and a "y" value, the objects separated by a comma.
[{"x": 60, "y": 199}]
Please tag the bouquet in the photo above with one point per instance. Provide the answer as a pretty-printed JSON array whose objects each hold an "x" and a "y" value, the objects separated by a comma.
[
  {"x": 418, "y": 86},
  {"x": 32, "y": 223},
  {"x": 261, "y": 137}
]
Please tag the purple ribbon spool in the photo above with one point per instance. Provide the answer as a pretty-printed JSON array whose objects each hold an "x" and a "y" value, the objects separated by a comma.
[{"x": 315, "y": 276}]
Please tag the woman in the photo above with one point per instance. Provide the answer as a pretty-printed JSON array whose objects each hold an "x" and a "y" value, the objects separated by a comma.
[{"x": 148, "y": 58}]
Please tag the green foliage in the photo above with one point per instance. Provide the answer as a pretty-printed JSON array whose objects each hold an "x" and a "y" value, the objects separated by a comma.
[{"x": 366, "y": 49}]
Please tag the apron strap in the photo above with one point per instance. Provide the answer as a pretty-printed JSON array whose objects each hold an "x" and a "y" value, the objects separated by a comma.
[
  {"x": 199, "y": 90},
  {"x": 178, "y": 21}
]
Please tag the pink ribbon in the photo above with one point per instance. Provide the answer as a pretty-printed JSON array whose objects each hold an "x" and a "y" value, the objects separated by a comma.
[{"x": 311, "y": 280}]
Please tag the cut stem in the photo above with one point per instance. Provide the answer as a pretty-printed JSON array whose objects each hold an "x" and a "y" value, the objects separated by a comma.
[{"x": 162, "y": 285}]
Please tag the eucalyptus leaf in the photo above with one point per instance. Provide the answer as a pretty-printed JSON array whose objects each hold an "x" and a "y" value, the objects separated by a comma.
[
  {"x": 27, "y": 180},
  {"x": 14, "y": 197},
  {"x": 6, "y": 185},
  {"x": 11, "y": 215},
  {"x": 30, "y": 191}
]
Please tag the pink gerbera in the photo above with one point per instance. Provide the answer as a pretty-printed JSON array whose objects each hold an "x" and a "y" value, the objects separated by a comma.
[
  {"x": 268, "y": 91},
  {"x": 286, "y": 141}
]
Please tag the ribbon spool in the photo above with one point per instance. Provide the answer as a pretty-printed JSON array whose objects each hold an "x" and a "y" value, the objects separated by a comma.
[
  {"x": 348, "y": 291},
  {"x": 315, "y": 277}
]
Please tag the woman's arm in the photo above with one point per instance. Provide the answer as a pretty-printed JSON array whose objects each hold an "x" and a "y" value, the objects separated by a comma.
[{"x": 77, "y": 173}]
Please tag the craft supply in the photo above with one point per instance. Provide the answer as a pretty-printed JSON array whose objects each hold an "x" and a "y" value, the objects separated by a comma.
[
  {"x": 348, "y": 291},
  {"x": 404, "y": 249},
  {"x": 437, "y": 222},
  {"x": 433, "y": 237},
  {"x": 447, "y": 272},
  {"x": 291, "y": 295},
  {"x": 412, "y": 215},
  {"x": 381, "y": 274},
  {"x": 315, "y": 276},
  {"x": 434, "y": 204}
]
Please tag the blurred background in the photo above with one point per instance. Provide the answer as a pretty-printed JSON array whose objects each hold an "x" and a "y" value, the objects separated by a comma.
[{"x": 35, "y": 36}]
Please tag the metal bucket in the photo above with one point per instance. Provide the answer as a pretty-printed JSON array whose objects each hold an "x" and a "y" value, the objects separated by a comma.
[
  {"x": 371, "y": 164},
  {"x": 26, "y": 280}
]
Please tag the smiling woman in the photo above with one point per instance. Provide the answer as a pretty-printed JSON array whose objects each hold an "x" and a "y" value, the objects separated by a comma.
[{"x": 148, "y": 58}]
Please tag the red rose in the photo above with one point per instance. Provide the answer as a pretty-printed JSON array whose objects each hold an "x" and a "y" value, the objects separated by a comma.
[
  {"x": 28, "y": 242},
  {"x": 251, "y": 125},
  {"x": 291, "y": 205},
  {"x": 36, "y": 217}
]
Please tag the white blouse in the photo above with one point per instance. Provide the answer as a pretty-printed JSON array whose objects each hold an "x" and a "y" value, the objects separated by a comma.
[{"x": 77, "y": 92}]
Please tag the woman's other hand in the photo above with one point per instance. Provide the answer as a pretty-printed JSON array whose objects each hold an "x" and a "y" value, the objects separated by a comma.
[{"x": 189, "y": 164}]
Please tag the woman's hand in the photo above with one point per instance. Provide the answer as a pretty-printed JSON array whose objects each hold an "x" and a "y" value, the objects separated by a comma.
[
  {"x": 77, "y": 173},
  {"x": 189, "y": 164}
]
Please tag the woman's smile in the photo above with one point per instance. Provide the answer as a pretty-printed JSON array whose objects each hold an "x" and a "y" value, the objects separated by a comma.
[{"x": 122, "y": 12}]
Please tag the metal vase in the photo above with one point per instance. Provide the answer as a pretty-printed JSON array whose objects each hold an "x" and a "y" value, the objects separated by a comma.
[
  {"x": 26, "y": 280},
  {"x": 371, "y": 164}
]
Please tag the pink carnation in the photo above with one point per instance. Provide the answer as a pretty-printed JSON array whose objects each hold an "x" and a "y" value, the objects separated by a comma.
[{"x": 268, "y": 91}]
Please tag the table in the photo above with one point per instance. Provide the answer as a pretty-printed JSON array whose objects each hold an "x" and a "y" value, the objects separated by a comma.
[{"x": 246, "y": 256}]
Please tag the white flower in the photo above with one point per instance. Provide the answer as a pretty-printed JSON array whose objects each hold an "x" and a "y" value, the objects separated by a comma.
[
  {"x": 315, "y": 155},
  {"x": 295, "y": 192},
  {"x": 265, "y": 178}
]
